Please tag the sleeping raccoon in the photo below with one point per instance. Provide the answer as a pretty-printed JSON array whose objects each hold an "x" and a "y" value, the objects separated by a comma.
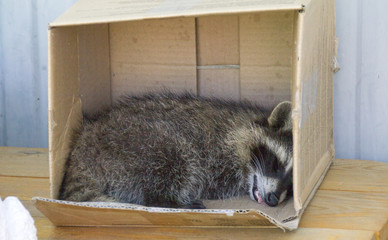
[{"x": 171, "y": 150}]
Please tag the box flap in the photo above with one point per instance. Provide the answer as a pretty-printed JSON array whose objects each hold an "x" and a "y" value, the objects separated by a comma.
[
  {"x": 103, "y": 11},
  {"x": 219, "y": 213}
]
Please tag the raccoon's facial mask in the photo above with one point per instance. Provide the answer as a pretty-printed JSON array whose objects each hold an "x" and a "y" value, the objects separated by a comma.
[{"x": 271, "y": 181}]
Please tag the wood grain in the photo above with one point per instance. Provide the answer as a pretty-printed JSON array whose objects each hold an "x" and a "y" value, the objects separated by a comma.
[
  {"x": 13, "y": 162},
  {"x": 357, "y": 176},
  {"x": 383, "y": 233},
  {"x": 346, "y": 210},
  {"x": 49, "y": 231},
  {"x": 24, "y": 187},
  {"x": 338, "y": 211}
]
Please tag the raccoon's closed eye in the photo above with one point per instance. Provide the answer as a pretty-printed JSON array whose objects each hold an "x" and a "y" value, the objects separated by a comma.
[
  {"x": 260, "y": 157},
  {"x": 276, "y": 167}
]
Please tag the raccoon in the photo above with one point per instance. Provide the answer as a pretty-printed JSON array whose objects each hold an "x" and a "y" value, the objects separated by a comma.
[{"x": 174, "y": 150}]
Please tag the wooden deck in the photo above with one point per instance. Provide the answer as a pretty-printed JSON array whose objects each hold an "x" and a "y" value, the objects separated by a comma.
[{"x": 351, "y": 203}]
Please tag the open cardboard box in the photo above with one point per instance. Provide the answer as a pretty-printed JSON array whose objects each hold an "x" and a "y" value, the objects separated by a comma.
[{"x": 265, "y": 51}]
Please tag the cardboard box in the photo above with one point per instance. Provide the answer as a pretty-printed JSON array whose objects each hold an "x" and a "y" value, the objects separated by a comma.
[{"x": 265, "y": 51}]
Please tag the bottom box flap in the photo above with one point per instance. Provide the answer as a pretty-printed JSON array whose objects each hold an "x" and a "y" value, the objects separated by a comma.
[{"x": 219, "y": 213}]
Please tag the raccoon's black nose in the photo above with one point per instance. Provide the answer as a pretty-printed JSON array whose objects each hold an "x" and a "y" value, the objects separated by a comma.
[{"x": 271, "y": 199}]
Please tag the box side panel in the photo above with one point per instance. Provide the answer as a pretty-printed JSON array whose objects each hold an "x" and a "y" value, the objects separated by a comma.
[
  {"x": 101, "y": 11},
  {"x": 153, "y": 54},
  {"x": 313, "y": 97},
  {"x": 266, "y": 47},
  {"x": 218, "y": 56},
  {"x": 219, "y": 83},
  {"x": 64, "y": 102},
  {"x": 218, "y": 40},
  {"x": 94, "y": 67}
]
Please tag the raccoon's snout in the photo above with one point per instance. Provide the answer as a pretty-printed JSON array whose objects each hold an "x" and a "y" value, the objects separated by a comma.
[{"x": 271, "y": 199}]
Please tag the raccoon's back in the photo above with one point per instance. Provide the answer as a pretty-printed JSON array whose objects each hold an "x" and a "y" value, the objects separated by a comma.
[
  {"x": 152, "y": 121},
  {"x": 156, "y": 143}
]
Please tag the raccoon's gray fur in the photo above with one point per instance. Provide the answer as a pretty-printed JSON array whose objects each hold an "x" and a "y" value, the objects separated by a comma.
[{"x": 174, "y": 150}]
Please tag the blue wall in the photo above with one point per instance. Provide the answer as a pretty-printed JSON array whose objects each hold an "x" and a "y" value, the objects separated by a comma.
[
  {"x": 23, "y": 70},
  {"x": 360, "y": 88}
]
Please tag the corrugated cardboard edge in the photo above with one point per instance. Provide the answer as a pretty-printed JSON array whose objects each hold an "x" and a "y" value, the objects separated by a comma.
[
  {"x": 296, "y": 101},
  {"x": 44, "y": 205}
]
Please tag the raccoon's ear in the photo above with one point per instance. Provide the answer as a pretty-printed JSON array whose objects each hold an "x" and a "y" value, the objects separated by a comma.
[{"x": 281, "y": 116}]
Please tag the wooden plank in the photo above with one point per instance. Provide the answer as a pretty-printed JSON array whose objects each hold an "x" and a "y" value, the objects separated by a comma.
[
  {"x": 266, "y": 48},
  {"x": 29, "y": 205},
  {"x": 153, "y": 55},
  {"x": 383, "y": 233},
  {"x": 48, "y": 231},
  {"x": 346, "y": 210},
  {"x": 218, "y": 40},
  {"x": 13, "y": 161},
  {"x": 220, "y": 83},
  {"x": 357, "y": 176},
  {"x": 24, "y": 187}
]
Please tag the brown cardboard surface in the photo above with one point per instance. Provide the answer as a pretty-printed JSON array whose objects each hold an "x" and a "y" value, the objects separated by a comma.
[
  {"x": 220, "y": 83},
  {"x": 218, "y": 40},
  {"x": 266, "y": 45},
  {"x": 94, "y": 67},
  {"x": 152, "y": 55},
  {"x": 64, "y": 102},
  {"x": 102, "y": 11},
  {"x": 313, "y": 99}
]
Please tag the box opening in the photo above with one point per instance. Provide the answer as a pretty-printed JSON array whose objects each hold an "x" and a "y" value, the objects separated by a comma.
[{"x": 239, "y": 57}]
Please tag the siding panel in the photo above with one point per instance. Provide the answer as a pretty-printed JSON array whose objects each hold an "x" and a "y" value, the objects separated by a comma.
[
  {"x": 23, "y": 70},
  {"x": 360, "y": 88}
]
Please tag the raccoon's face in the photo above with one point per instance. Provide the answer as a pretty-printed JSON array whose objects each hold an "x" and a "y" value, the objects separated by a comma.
[{"x": 271, "y": 180}]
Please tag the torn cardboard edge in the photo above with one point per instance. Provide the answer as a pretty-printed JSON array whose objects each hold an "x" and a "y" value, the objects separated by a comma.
[{"x": 54, "y": 210}]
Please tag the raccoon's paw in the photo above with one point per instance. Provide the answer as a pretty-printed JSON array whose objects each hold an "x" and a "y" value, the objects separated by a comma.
[{"x": 197, "y": 204}]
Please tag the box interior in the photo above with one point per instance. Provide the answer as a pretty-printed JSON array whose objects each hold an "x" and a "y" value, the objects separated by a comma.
[
  {"x": 242, "y": 57},
  {"x": 265, "y": 57}
]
